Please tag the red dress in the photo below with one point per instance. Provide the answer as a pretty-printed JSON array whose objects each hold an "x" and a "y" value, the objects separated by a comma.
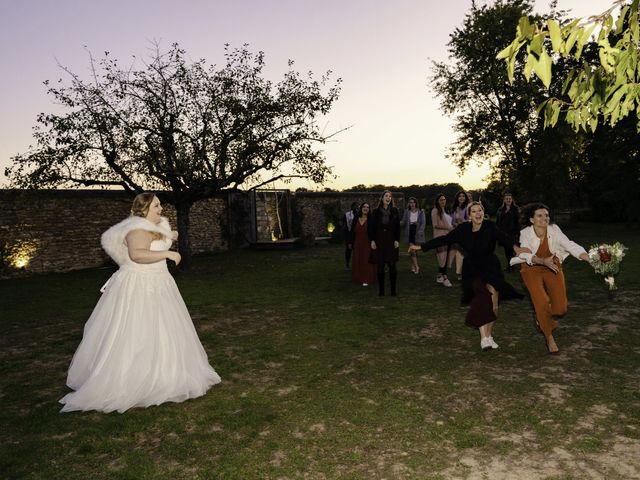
[{"x": 361, "y": 270}]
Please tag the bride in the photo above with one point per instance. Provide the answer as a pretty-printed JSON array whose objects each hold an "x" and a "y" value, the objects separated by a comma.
[{"x": 139, "y": 346}]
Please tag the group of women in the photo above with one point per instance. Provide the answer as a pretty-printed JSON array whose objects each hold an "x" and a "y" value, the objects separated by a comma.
[
  {"x": 366, "y": 235},
  {"x": 140, "y": 347},
  {"x": 469, "y": 238}
]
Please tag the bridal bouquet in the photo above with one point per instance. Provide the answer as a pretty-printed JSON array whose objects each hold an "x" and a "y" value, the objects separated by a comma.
[{"x": 605, "y": 259}]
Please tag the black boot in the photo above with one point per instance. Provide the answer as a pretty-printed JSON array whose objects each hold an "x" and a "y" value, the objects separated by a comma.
[
  {"x": 393, "y": 275},
  {"x": 381, "y": 280}
]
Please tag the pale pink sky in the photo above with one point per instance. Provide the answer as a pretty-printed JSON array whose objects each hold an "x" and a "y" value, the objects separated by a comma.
[{"x": 381, "y": 49}]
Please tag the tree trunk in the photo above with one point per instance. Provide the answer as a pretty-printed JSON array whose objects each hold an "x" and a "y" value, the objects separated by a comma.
[{"x": 184, "y": 242}]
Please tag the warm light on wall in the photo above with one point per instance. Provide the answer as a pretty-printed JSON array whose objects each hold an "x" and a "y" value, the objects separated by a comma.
[
  {"x": 330, "y": 227},
  {"x": 274, "y": 237},
  {"x": 20, "y": 253}
]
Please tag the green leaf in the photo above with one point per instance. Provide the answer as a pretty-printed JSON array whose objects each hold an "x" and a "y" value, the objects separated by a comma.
[
  {"x": 603, "y": 54},
  {"x": 551, "y": 113},
  {"x": 554, "y": 33},
  {"x": 584, "y": 37},
  {"x": 613, "y": 101},
  {"x": 542, "y": 105},
  {"x": 529, "y": 66},
  {"x": 620, "y": 21},
  {"x": 567, "y": 80},
  {"x": 633, "y": 24},
  {"x": 511, "y": 64},
  {"x": 525, "y": 29},
  {"x": 571, "y": 41},
  {"x": 615, "y": 114},
  {"x": 506, "y": 52},
  {"x": 543, "y": 69},
  {"x": 536, "y": 44},
  {"x": 570, "y": 27}
]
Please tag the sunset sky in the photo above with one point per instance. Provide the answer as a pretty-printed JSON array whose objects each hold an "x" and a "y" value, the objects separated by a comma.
[{"x": 382, "y": 50}]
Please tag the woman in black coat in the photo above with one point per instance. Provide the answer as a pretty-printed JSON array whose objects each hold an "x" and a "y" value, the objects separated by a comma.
[
  {"x": 483, "y": 284},
  {"x": 508, "y": 220},
  {"x": 384, "y": 235}
]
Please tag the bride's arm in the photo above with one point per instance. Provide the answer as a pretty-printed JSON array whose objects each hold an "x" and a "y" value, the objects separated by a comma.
[{"x": 139, "y": 247}]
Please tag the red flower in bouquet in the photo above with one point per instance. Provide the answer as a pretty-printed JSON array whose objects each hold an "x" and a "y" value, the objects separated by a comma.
[
  {"x": 605, "y": 257},
  {"x": 605, "y": 260}
]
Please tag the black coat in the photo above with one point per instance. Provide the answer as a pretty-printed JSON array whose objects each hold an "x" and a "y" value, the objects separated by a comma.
[
  {"x": 509, "y": 222},
  {"x": 384, "y": 235},
  {"x": 480, "y": 261}
]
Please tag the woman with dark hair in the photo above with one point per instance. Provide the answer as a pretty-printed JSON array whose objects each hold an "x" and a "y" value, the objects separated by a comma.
[
  {"x": 483, "y": 284},
  {"x": 508, "y": 220},
  {"x": 459, "y": 215},
  {"x": 384, "y": 235},
  {"x": 362, "y": 271},
  {"x": 347, "y": 225},
  {"x": 139, "y": 347},
  {"x": 546, "y": 247},
  {"x": 441, "y": 221},
  {"x": 414, "y": 222}
]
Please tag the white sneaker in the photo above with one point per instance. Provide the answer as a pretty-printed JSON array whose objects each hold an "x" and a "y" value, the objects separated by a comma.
[
  {"x": 494, "y": 345},
  {"x": 365, "y": 284},
  {"x": 439, "y": 279},
  {"x": 485, "y": 344},
  {"x": 447, "y": 283}
]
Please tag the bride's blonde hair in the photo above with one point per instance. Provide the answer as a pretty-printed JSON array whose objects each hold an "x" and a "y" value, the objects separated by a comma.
[
  {"x": 141, "y": 204},
  {"x": 140, "y": 208}
]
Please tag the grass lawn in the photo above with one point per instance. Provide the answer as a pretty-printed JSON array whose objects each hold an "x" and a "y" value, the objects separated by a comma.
[{"x": 324, "y": 380}]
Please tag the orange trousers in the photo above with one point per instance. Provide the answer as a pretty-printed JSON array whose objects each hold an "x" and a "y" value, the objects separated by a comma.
[{"x": 548, "y": 295}]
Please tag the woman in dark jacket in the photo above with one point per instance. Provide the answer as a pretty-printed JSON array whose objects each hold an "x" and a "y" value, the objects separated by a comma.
[
  {"x": 384, "y": 235},
  {"x": 483, "y": 284},
  {"x": 508, "y": 220}
]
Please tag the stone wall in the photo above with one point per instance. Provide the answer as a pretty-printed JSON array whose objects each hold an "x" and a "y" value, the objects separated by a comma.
[
  {"x": 59, "y": 230},
  {"x": 315, "y": 210}
]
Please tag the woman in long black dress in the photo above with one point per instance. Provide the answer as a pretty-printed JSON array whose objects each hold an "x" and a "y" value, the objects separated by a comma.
[
  {"x": 483, "y": 284},
  {"x": 384, "y": 234}
]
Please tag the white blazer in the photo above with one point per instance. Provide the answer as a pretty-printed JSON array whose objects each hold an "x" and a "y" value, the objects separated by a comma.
[{"x": 559, "y": 244}]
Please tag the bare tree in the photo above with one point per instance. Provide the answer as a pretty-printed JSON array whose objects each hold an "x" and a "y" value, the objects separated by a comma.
[{"x": 185, "y": 128}]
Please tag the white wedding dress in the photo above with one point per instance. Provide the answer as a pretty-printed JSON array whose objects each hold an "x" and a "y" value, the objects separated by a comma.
[{"x": 139, "y": 346}]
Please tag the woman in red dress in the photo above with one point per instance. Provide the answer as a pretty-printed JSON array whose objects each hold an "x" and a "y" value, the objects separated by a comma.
[{"x": 361, "y": 270}]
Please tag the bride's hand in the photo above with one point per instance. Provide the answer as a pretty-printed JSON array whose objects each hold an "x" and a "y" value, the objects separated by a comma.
[
  {"x": 174, "y": 235},
  {"x": 175, "y": 256}
]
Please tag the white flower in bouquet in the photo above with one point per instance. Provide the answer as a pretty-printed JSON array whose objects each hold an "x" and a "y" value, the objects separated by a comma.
[{"x": 605, "y": 260}]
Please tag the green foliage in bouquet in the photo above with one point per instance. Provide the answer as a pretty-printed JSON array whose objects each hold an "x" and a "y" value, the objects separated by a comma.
[{"x": 605, "y": 260}]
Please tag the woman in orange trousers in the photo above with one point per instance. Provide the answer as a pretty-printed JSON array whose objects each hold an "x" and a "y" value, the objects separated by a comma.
[{"x": 542, "y": 273}]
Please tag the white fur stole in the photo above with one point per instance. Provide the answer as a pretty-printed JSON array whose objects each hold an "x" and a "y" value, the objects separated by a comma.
[{"x": 113, "y": 239}]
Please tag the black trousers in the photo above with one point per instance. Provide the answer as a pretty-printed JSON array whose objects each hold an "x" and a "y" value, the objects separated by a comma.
[
  {"x": 347, "y": 254},
  {"x": 393, "y": 275}
]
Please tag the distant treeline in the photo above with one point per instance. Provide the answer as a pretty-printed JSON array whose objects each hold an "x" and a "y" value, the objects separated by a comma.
[{"x": 570, "y": 206}]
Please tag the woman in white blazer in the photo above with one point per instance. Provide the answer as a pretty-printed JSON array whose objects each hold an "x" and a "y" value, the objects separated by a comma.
[{"x": 542, "y": 267}]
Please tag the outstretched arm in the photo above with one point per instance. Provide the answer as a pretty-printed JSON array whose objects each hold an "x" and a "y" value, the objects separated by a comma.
[{"x": 448, "y": 239}]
